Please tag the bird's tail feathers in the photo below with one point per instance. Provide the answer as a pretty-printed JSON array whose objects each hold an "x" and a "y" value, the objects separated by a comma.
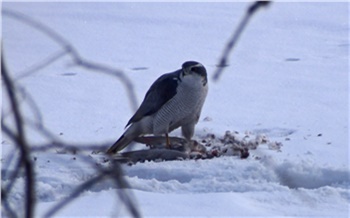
[{"x": 120, "y": 144}]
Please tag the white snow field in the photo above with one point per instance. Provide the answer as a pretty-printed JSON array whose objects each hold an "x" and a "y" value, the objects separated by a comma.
[{"x": 287, "y": 79}]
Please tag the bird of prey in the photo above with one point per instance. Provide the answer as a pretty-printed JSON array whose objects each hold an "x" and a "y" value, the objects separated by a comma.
[{"x": 174, "y": 100}]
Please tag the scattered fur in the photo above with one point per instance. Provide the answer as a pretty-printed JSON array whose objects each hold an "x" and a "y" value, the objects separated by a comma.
[{"x": 204, "y": 147}]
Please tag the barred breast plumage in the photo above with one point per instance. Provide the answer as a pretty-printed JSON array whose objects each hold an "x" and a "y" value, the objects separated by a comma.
[{"x": 183, "y": 108}]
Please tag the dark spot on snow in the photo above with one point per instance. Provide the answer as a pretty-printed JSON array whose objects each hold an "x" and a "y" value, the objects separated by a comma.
[
  {"x": 139, "y": 68},
  {"x": 292, "y": 59},
  {"x": 207, "y": 119},
  {"x": 308, "y": 153},
  {"x": 68, "y": 74},
  {"x": 319, "y": 135}
]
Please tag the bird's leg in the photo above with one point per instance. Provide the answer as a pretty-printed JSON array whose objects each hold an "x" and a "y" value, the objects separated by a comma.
[{"x": 167, "y": 141}]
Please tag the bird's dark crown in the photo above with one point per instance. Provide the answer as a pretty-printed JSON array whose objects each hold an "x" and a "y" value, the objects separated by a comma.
[{"x": 194, "y": 66}]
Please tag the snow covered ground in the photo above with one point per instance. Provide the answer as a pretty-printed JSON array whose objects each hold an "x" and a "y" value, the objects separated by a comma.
[{"x": 287, "y": 79}]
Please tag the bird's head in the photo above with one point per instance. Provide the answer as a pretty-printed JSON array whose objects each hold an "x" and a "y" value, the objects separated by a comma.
[{"x": 194, "y": 68}]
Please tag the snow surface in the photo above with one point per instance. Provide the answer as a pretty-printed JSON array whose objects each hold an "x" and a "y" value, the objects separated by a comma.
[{"x": 287, "y": 79}]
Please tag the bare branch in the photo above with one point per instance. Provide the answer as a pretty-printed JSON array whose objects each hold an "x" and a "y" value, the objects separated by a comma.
[
  {"x": 70, "y": 50},
  {"x": 235, "y": 37},
  {"x": 35, "y": 68},
  {"x": 124, "y": 195},
  {"x": 10, "y": 212},
  {"x": 21, "y": 142}
]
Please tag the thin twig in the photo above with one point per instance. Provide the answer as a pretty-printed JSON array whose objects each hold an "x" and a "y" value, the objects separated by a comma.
[
  {"x": 102, "y": 68},
  {"x": 27, "y": 98},
  {"x": 82, "y": 187},
  {"x": 17, "y": 168},
  {"x": 124, "y": 194},
  {"x": 235, "y": 37},
  {"x": 114, "y": 173}
]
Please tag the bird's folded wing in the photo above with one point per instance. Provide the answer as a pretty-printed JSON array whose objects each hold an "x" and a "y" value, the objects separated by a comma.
[{"x": 161, "y": 91}]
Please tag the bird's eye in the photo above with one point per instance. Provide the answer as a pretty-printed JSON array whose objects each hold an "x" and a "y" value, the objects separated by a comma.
[
  {"x": 194, "y": 69},
  {"x": 199, "y": 70}
]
